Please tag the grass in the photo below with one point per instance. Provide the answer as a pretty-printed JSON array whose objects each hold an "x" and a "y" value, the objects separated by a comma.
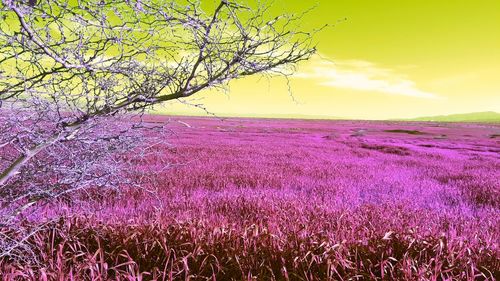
[
  {"x": 80, "y": 249},
  {"x": 276, "y": 200}
]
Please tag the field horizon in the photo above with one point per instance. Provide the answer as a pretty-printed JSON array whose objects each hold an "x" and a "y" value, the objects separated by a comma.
[{"x": 471, "y": 117}]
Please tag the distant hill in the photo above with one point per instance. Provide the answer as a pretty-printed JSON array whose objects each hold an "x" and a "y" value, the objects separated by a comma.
[{"x": 487, "y": 116}]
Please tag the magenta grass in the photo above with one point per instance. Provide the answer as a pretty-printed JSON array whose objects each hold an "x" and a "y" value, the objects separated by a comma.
[{"x": 296, "y": 200}]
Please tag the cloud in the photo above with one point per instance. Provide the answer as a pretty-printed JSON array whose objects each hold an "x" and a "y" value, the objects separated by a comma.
[{"x": 363, "y": 76}]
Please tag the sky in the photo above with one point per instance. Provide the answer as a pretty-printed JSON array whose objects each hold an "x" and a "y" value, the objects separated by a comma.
[{"x": 378, "y": 60}]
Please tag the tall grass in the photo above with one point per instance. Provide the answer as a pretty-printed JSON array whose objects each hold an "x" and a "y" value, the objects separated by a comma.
[{"x": 255, "y": 200}]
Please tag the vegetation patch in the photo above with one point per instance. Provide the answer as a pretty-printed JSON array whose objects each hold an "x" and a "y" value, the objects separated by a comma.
[
  {"x": 398, "y": 150},
  {"x": 401, "y": 131}
]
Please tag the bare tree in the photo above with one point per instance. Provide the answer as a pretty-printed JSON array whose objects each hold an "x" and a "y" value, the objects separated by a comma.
[{"x": 70, "y": 69}]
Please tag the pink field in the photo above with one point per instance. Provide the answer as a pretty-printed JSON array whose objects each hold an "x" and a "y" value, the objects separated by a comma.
[
  {"x": 301, "y": 200},
  {"x": 448, "y": 169}
]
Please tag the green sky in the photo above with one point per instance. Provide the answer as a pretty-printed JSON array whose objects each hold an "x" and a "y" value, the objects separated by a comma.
[{"x": 389, "y": 59}]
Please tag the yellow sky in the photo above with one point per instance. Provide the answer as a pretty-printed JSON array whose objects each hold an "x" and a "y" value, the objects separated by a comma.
[{"x": 389, "y": 59}]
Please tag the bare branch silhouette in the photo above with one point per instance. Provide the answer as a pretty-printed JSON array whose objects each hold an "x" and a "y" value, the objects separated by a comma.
[{"x": 71, "y": 70}]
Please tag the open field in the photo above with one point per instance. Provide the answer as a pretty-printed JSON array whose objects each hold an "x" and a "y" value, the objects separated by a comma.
[{"x": 253, "y": 199}]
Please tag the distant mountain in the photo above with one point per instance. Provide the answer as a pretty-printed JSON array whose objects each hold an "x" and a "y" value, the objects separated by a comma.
[{"x": 487, "y": 116}]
